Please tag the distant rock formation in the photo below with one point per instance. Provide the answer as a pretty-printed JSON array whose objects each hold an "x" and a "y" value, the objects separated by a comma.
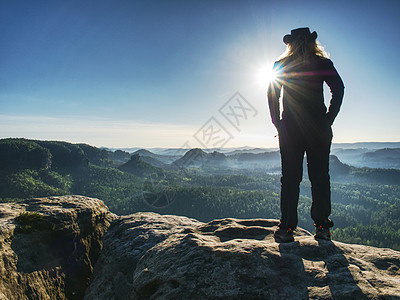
[
  {"x": 138, "y": 166},
  {"x": 193, "y": 157},
  {"x": 119, "y": 156},
  {"x": 199, "y": 158},
  {"x": 49, "y": 253},
  {"x": 164, "y": 159}
]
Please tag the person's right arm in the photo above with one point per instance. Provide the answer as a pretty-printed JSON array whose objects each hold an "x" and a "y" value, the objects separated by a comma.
[{"x": 273, "y": 94}]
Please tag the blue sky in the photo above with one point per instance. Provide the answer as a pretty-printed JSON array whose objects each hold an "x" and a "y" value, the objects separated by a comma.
[{"x": 154, "y": 73}]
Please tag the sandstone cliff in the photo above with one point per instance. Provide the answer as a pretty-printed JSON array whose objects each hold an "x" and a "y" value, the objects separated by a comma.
[
  {"x": 150, "y": 256},
  {"x": 48, "y": 246}
]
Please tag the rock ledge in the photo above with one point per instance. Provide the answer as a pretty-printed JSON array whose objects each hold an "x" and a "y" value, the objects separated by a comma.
[{"x": 72, "y": 247}]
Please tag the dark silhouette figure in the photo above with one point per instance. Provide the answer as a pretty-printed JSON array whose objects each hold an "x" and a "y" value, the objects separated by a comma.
[{"x": 305, "y": 127}]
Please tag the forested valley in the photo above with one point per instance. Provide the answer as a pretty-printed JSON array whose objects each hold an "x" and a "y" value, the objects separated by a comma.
[{"x": 204, "y": 186}]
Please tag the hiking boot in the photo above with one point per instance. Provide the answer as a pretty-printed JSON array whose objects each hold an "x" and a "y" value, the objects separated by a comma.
[
  {"x": 283, "y": 235},
  {"x": 322, "y": 233}
]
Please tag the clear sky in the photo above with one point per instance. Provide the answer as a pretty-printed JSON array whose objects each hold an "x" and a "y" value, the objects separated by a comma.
[{"x": 162, "y": 73}]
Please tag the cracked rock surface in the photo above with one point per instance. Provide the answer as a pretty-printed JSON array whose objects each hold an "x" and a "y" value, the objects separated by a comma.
[
  {"x": 72, "y": 247},
  {"x": 150, "y": 256}
]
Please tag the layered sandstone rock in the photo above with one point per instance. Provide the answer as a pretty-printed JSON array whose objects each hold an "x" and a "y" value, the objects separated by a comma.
[
  {"x": 72, "y": 247},
  {"x": 149, "y": 256},
  {"x": 49, "y": 246}
]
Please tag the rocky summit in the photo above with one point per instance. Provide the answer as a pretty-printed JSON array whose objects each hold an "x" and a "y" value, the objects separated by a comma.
[{"x": 72, "y": 247}]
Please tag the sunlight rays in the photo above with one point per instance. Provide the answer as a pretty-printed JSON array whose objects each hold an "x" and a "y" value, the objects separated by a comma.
[{"x": 265, "y": 74}]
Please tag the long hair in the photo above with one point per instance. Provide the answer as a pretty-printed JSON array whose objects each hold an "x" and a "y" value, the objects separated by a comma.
[{"x": 303, "y": 49}]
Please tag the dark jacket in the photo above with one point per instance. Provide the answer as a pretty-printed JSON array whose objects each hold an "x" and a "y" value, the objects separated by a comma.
[{"x": 303, "y": 97}]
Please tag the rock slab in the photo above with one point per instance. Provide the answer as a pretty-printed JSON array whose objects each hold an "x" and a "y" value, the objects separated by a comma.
[{"x": 150, "y": 256}]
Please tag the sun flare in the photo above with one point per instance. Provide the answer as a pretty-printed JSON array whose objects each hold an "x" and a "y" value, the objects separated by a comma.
[{"x": 265, "y": 74}]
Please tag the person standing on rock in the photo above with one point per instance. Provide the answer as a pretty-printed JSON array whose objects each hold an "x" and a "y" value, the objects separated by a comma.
[{"x": 305, "y": 127}]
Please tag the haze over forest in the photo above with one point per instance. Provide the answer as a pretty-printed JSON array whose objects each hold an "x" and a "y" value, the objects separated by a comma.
[{"x": 241, "y": 183}]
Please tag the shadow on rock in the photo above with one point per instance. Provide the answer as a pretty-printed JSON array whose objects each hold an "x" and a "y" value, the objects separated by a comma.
[{"x": 319, "y": 269}]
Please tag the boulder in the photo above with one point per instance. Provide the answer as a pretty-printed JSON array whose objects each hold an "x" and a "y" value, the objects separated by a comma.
[
  {"x": 48, "y": 246},
  {"x": 126, "y": 242}
]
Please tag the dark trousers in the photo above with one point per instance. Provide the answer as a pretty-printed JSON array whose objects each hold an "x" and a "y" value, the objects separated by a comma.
[{"x": 315, "y": 141}]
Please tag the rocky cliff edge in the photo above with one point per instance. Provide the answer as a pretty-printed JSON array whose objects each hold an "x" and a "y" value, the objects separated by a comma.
[{"x": 72, "y": 247}]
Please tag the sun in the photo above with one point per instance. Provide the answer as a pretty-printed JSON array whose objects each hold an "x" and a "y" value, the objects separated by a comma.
[{"x": 265, "y": 74}]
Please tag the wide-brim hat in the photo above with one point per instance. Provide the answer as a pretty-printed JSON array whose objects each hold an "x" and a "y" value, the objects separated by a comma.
[{"x": 295, "y": 33}]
